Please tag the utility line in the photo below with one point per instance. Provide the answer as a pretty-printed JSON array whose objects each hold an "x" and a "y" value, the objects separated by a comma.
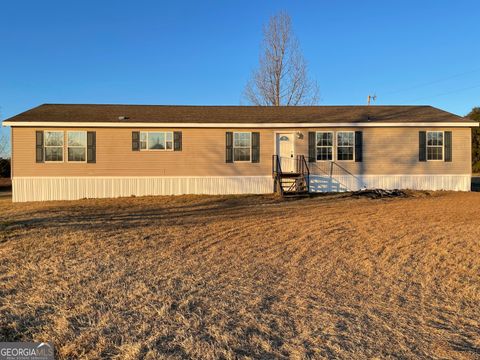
[
  {"x": 432, "y": 82},
  {"x": 446, "y": 93}
]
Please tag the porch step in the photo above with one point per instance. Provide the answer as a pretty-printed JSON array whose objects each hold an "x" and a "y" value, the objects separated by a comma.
[
  {"x": 296, "y": 194},
  {"x": 291, "y": 183},
  {"x": 293, "y": 186},
  {"x": 289, "y": 175}
]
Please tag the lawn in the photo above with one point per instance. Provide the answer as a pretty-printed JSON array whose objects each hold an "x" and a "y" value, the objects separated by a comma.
[{"x": 203, "y": 277}]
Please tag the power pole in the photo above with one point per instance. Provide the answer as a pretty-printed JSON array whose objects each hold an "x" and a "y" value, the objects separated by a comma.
[{"x": 371, "y": 98}]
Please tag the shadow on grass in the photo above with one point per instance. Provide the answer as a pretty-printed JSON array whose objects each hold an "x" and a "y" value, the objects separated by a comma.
[
  {"x": 107, "y": 214},
  {"x": 126, "y": 213},
  {"x": 465, "y": 346}
]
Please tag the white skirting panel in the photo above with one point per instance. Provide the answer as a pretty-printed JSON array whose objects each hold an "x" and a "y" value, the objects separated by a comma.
[
  {"x": 339, "y": 183},
  {"x": 73, "y": 188}
]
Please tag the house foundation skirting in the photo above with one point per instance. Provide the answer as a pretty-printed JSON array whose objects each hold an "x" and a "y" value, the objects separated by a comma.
[
  {"x": 339, "y": 183},
  {"x": 74, "y": 188}
]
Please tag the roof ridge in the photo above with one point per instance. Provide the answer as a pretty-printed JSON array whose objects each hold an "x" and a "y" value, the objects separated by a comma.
[{"x": 233, "y": 106}]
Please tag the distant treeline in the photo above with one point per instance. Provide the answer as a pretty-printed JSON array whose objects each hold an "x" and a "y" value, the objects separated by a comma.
[
  {"x": 4, "y": 168},
  {"x": 475, "y": 115}
]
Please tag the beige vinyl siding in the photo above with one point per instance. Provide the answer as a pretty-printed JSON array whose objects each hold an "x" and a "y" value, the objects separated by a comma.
[
  {"x": 394, "y": 151},
  {"x": 385, "y": 151},
  {"x": 203, "y": 154}
]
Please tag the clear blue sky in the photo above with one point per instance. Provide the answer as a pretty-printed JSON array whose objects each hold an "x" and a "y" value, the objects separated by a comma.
[{"x": 202, "y": 52}]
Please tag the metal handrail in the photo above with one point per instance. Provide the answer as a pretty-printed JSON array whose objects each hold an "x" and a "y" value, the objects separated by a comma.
[
  {"x": 301, "y": 167},
  {"x": 330, "y": 173},
  {"x": 350, "y": 174},
  {"x": 305, "y": 167},
  {"x": 276, "y": 171},
  {"x": 276, "y": 166}
]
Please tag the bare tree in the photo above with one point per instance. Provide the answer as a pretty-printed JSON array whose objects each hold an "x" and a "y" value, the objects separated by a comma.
[
  {"x": 4, "y": 144},
  {"x": 281, "y": 78},
  {"x": 3, "y": 139},
  {"x": 4, "y": 150},
  {"x": 4, "y": 155}
]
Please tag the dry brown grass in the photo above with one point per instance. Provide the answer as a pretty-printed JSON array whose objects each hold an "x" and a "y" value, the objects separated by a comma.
[{"x": 244, "y": 277}]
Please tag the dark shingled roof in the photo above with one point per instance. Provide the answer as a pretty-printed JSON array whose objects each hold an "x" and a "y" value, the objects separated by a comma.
[{"x": 234, "y": 114}]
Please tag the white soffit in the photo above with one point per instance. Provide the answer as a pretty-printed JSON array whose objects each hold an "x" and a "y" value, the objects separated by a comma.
[{"x": 233, "y": 125}]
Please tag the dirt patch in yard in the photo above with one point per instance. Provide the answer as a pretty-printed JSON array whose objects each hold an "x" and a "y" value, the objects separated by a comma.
[{"x": 244, "y": 277}]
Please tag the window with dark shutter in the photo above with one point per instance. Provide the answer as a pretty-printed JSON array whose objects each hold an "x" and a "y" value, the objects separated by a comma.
[
  {"x": 358, "y": 146},
  {"x": 324, "y": 146},
  {"x": 422, "y": 146},
  {"x": 177, "y": 141},
  {"x": 448, "y": 146},
  {"x": 255, "y": 147},
  {"x": 229, "y": 147},
  {"x": 91, "y": 147},
  {"x": 435, "y": 146},
  {"x": 39, "y": 146},
  {"x": 312, "y": 154},
  {"x": 345, "y": 145},
  {"x": 135, "y": 140}
]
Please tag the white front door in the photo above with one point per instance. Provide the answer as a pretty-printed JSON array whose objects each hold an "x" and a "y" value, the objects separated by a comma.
[{"x": 285, "y": 151}]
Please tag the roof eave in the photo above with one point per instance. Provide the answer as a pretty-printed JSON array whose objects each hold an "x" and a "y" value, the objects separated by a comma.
[{"x": 236, "y": 125}]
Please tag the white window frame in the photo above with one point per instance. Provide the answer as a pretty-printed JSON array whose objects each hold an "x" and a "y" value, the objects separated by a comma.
[
  {"x": 323, "y": 146},
  {"x": 435, "y": 146},
  {"x": 156, "y": 132},
  {"x": 50, "y": 146},
  {"x": 85, "y": 147},
  {"x": 241, "y": 147},
  {"x": 337, "y": 146}
]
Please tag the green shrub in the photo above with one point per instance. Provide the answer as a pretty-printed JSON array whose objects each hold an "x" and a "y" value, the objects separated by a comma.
[{"x": 475, "y": 115}]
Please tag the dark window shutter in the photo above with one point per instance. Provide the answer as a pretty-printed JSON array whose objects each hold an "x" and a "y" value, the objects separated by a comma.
[
  {"x": 255, "y": 147},
  {"x": 39, "y": 146},
  {"x": 358, "y": 146},
  {"x": 229, "y": 147},
  {"x": 312, "y": 146},
  {"x": 422, "y": 146},
  {"x": 177, "y": 141},
  {"x": 91, "y": 147},
  {"x": 448, "y": 146},
  {"x": 135, "y": 140}
]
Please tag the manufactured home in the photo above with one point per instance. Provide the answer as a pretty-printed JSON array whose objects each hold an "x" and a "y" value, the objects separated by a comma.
[{"x": 63, "y": 152}]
